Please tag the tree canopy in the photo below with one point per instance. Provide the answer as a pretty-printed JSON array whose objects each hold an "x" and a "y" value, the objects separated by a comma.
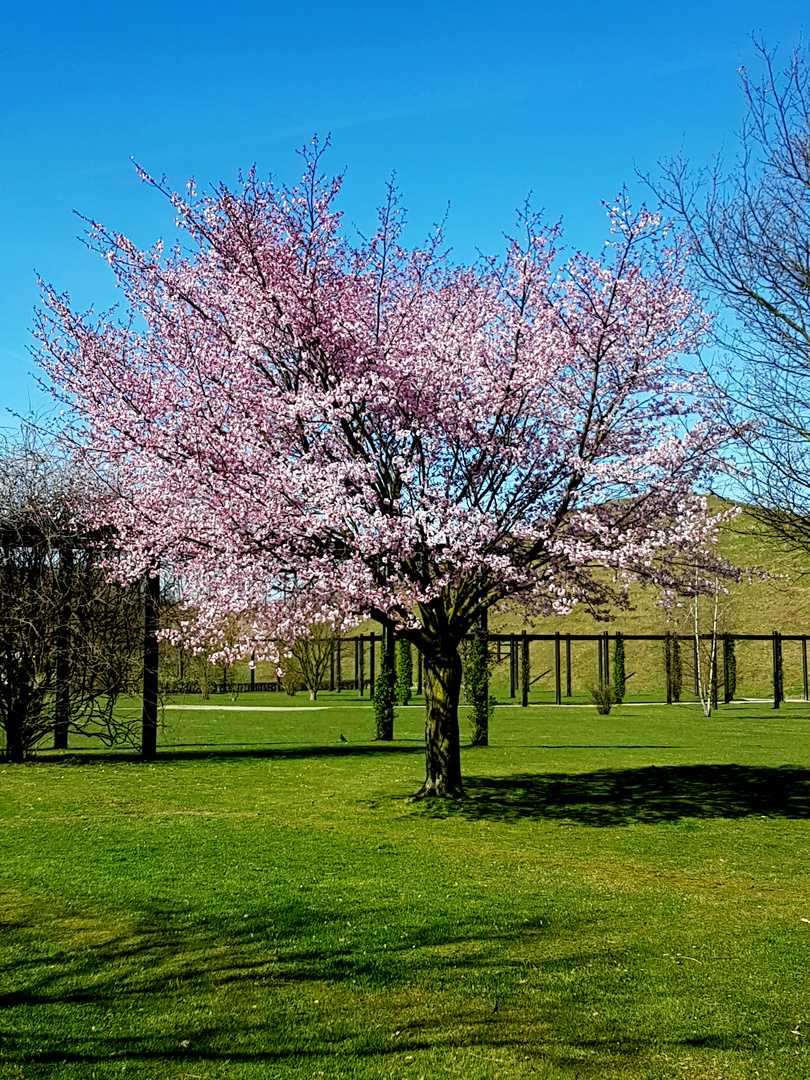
[{"x": 748, "y": 224}]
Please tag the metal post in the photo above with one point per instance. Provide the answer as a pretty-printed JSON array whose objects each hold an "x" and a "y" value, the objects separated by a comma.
[
  {"x": 524, "y": 671},
  {"x": 253, "y": 670},
  {"x": 804, "y": 668},
  {"x": 512, "y": 665},
  {"x": 362, "y": 676},
  {"x": 557, "y": 672},
  {"x": 339, "y": 665},
  {"x": 668, "y": 665},
  {"x": 777, "y": 689},
  {"x": 332, "y": 665},
  {"x": 483, "y": 630},
  {"x": 601, "y": 655},
  {"x": 606, "y": 647},
  {"x": 151, "y": 599},
  {"x": 371, "y": 664},
  {"x": 62, "y": 705},
  {"x": 568, "y": 665}
]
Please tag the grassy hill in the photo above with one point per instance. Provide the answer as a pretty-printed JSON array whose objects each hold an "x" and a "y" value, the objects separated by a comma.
[{"x": 775, "y": 595}]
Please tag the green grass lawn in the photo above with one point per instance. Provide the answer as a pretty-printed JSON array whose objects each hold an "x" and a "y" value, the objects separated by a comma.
[{"x": 625, "y": 896}]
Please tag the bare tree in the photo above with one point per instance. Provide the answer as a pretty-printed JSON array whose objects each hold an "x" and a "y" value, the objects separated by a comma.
[
  {"x": 749, "y": 228},
  {"x": 70, "y": 638},
  {"x": 310, "y": 658},
  {"x": 706, "y": 656}
]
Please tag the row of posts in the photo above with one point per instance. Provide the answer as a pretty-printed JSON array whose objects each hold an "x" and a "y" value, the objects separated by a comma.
[
  {"x": 520, "y": 680},
  {"x": 520, "y": 671}
]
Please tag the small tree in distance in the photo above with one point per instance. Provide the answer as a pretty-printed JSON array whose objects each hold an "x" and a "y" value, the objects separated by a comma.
[
  {"x": 706, "y": 652},
  {"x": 309, "y": 659},
  {"x": 311, "y": 429}
]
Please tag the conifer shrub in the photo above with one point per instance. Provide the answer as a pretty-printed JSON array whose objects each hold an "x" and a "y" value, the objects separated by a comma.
[
  {"x": 476, "y": 682},
  {"x": 677, "y": 670},
  {"x": 731, "y": 667},
  {"x": 619, "y": 675},
  {"x": 385, "y": 697},
  {"x": 404, "y": 672}
]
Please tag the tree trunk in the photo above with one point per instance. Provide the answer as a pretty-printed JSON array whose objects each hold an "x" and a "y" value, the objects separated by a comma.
[
  {"x": 313, "y": 694},
  {"x": 62, "y": 714},
  {"x": 15, "y": 742},
  {"x": 442, "y": 751},
  {"x": 151, "y": 600}
]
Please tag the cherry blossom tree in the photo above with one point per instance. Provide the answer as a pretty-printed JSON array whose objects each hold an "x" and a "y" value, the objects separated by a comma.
[{"x": 309, "y": 428}]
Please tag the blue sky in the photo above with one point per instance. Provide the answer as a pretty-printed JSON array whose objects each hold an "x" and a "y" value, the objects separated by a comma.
[{"x": 471, "y": 104}]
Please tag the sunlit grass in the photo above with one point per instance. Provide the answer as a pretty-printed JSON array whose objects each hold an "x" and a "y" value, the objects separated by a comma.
[{"x": 619, "y": 897}]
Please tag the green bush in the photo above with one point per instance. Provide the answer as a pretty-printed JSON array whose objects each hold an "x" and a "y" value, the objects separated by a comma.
[
  {"x": 290, "y": 683},
  {"x": 604, "y": 697}
]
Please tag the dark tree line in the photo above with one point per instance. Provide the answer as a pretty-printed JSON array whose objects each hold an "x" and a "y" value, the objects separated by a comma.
[{"x": 70, "y": 639}]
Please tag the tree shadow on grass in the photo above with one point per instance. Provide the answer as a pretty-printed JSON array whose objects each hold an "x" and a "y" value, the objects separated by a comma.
[
  {"x": 266, "y": 999},
  {"x": 229, "y": 752},
  {"x": 649, "y": 795},
  {"x": 266, "y": 991}
]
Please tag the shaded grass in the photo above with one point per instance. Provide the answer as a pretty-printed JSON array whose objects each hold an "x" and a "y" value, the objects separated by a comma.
[{"x": 619, "y": 897}]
